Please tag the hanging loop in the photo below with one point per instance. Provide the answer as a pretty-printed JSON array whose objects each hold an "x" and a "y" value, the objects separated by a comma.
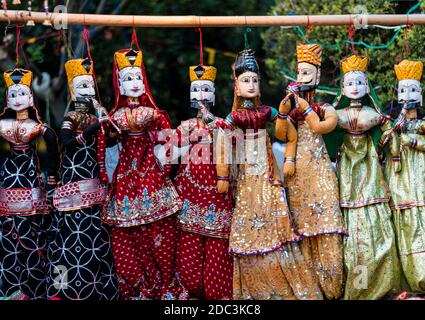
[
  {"x": 201, "y": 48},
  {"x": 308, "y": 29},
  {"x": 86, "y": 37},
  {"x": 406, "y": 41},
  {"x": 351, "y": 32},
  {"x": 18, "y": 43},
  {"x": 134, "y": 40},
  {"x": 245, "y": 35}
]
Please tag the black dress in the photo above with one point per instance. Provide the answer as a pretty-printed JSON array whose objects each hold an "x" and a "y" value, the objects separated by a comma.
[
  {"x": 80, "y": 257},
  {"x": 24, "y": 209}
]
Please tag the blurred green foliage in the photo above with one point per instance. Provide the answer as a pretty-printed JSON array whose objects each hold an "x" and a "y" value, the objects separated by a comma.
[{"x": 280, "y": 44}]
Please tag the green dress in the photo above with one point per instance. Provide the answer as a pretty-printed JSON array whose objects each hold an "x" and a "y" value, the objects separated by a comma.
[
  {"x": 405, "y": 172},
  {"x": 370, "y": 253}
]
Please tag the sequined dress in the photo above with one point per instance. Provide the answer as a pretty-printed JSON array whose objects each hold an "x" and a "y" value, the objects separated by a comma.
[
  {"x": 140, "y": 207},
  {"x": 370, "y": 253},
  {"x": 204, "y": 264},
  {"x": 314, "y": 202},
  {"x": 408, "y": 201},
  {"x": 262, "y": 238}
]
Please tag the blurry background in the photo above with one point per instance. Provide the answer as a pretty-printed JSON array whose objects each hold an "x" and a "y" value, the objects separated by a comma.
[{"x": 168, "y": 52}]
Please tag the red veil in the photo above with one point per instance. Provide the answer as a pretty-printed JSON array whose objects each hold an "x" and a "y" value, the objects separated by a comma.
[{"x": 145, "y": 100}]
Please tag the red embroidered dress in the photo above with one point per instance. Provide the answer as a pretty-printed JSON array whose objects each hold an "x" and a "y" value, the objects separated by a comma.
[
  {"x": 141, "y": 191},
  {"x": 205, "y": 211},
  {"x": 141, "y": 198}
]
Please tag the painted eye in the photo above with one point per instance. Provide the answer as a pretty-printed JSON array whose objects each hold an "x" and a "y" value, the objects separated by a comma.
[
  {"x": 139, "y": 77},
  {"x": 22, "y": 93},
  {"x": 413, "y": 90},
  {"x": 129, "y": 78},
  {"x": 195, "y": 89},
  {"x": 206, "y": 89},
  {"x": 402, "y": 90},
  {"x": 305, "y": 73},
  {"x": 255, "y": 80},
  {"x": 13, "y": 95}
]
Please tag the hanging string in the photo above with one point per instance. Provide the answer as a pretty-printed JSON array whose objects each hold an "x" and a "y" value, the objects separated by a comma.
[
  {"x": 134, "y": 40},
  {"x": 406, "y": 37},
  {"x": 308, "y": 29},
  {"x": 18, "y": 43},
  {"x": 201, "y": 48},
  {"x": 59, "y": 45},
  {"x": 4, "y": 6},
  {"x": 245, "y": 35},
  {"x": 86, "y": 37},
  {"x": 351, "y": 31}
]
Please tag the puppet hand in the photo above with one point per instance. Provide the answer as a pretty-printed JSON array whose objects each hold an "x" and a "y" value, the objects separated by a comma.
[
  {"x": 285, "y": 106},
  {"x": 405, "y": 140},
  {"x": 288, "y": 169},
  {"x": 222, "y": 186},
  {"x": 302, "y": 104}
]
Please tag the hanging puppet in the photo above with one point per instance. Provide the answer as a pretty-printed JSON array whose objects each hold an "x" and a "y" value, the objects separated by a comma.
[
  {"x": 313, "y": 188},
  {"x": 268, "y": 263},
  {"x": 142, "y": 200},
  {"x": 405, "y": 171},
  {"x": 364, "y": 194},
  {"x": 81, "y": 242},
  {"x": 203, "y": 262},
  {"x": 24, "y": 205}
]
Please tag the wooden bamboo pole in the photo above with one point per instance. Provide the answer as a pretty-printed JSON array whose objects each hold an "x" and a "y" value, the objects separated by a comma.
[{"x": 15, "y": 16}]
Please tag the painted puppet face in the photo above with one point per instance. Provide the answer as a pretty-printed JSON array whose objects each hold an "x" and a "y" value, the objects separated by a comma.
[
  {"x": 308, "y": 74},
  {"x": 354, "y": 85},
  {"x": 410, "y": 92},
  {"x": 19, "y": 97},
  {"x": 248, "y": 85},
  {"x": 202, "y": 92},
  {"x": 83, "y": 88},
  {"x": 131, "y": 82}
]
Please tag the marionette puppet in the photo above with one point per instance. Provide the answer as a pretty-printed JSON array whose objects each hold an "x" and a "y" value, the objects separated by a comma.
[
  {"x": 142, "y": 200},
  {"x": 204, "y": 264},
  {"x": 80, "y": 255},
  {"x": 268, "y": 263},
  {"x": 405, "y": 171},
  {"x": 363, "y": 192},
  {"x": 25, "y": 198},
  {"x": 312, "y": 185}
]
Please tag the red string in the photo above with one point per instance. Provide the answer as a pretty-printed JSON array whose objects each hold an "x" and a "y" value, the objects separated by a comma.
[
  {"x": 18, "y": 40},
  {"x": 134, "y": 40},
  {"x": 58, "y": 48},
  {"x": 351, "y": 32},
  {"x": 406, "y": 42},
  {"x": 86, "y": 36},
  {"x": 201, "y": 48},
  {"x": 406, "y": 36},
  {"x": 309, "y": 27}
]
